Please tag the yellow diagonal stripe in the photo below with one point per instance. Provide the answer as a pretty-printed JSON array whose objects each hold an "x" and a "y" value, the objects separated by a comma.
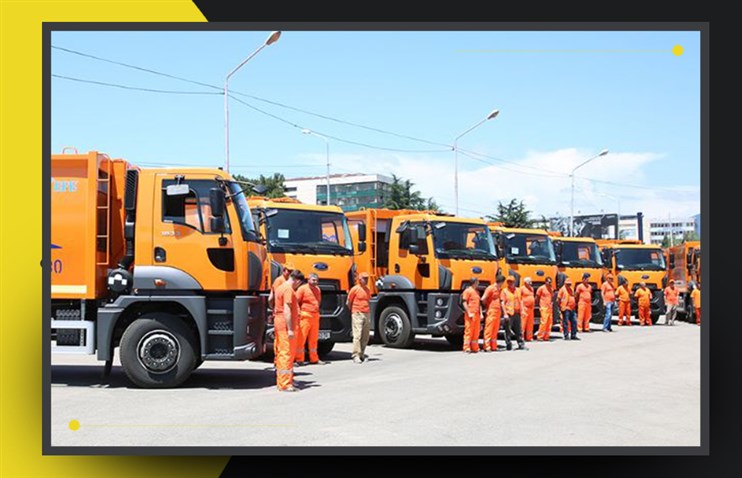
[{"x": 20, "y": 271}]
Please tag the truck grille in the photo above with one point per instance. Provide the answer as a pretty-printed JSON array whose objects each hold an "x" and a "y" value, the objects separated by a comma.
[{"x": 330, "y": 296}]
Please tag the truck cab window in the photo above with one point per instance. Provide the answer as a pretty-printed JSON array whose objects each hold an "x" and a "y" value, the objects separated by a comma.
[{"x": 191, "y": 210}]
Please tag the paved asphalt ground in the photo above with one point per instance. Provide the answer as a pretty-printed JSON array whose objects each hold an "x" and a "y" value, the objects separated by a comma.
[{"x": 637, "y": 386}]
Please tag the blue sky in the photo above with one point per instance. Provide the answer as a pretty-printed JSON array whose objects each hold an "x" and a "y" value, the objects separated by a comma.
[{"x": 562, "y": 96}]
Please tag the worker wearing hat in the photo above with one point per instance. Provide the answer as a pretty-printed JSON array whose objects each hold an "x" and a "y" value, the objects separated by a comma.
[
  {"x": 624, "y": 302},
  {"x": 527, "y": 299},
  {"x": 643, "y": 299},
  {"x": 584, "y": 293},
  {"x": 608, "y": 294},
  {"x": 470, "y": 299},
  {"x": 358, "y": 302},
  {"x": 286, "y": 270},
  {"x": 567, "y": 305},
  {"x": 671, "y": 302},
  {"x": 493, "y": 306},
  {"x": 511, "y": 314}
]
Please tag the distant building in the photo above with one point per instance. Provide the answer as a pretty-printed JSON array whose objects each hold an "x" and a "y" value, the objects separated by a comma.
[
  {"x": 677, "y": 227},
  {"x": 349, "y": 191},
  {"x": 603, "y": 226},
  {"x": 697, "y": 220}
]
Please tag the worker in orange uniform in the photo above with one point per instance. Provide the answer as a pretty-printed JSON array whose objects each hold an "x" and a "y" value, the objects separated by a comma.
[
  {"x": 287, "y": 313},
  {"x": 584, "y": 295},
  {"x": 286, "y": 270},
  {"x": 358, "y": 303},
  {"x": 671, "y": 302},
  {"x": 309, "y": 297},
  {"x": 527, "y": 308},
  {"x": 567, "y": 306},
  {"x": 695, "y": 298},
  {"x": 624, "y": 302},
  {"x": 510, "y": 300},
  {"x": 472, "y": 316},
  {"x": 643, "y": 298},
  {"x": 545, "y": 297},
  {"x": 493, "y": 306},
  {"x": 608, "y": 294}
]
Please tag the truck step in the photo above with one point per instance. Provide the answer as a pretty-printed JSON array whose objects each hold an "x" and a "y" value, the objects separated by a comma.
[
  {"x": 221, "y": 332},
  {"x": 220, "y": 355},
  {"x": 218, "y": 312}
]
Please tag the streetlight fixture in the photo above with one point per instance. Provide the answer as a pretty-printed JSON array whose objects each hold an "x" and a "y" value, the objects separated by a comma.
[
  {"x": 490, "y": 116},
  {"x": 572, "y": 203},
  {"x": 327, "y": 150},
  {"x": 270, "y": 40}
]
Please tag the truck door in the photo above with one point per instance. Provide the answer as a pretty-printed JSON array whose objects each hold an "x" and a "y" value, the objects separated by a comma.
[
  {"x": 413, "y": 259},
  {"x": 183, "y": 237}
]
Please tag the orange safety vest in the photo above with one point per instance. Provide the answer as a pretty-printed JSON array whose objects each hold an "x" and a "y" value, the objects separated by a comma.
[{"x": 510, "y": 301}]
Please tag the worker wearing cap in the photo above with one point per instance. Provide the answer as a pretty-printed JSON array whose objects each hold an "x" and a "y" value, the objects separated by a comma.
[
  {"x": 472, "y": 316},
  {"x": 286, "y": 270},
  {"x": 584, "y": 294},
  {"x": 567, "y": 305},
  {"x": 527, "y": 308},
  {"x": 671, "y": 302},
  {"x": 545, "y": 296},
  {"x": 643, "y": 299},
  {"x": 287, "y": 313},
  {"x": 608, "y": 294},
  {"x": 310, "y": 298},
  {"x": 493, "y": 306},
  {"x": 358, "y": 303},
  {"x": 695, "y": 298},
  {"x": 624, "y": 302},
  {"x": 510, "y": 300}
]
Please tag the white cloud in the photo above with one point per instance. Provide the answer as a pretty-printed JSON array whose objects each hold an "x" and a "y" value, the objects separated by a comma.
[{"x": 545, "y": 189}]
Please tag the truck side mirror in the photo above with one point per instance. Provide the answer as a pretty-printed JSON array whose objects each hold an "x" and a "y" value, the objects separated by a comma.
[
  {"x": 361, "y": 247},
  {"x": 414, "y": 249},
  {"x": 217, "y": 199},
  {"x": 361, "y": 232},
  {"x": 218, "y": 224},
  {"x": 260, "y": 189}
]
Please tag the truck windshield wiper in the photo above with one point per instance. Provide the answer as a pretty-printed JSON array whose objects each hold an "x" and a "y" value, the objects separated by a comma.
[{"x": 481, "y": 253}]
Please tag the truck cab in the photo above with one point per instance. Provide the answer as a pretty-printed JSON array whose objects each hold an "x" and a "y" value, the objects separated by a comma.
[
  {"x": 314, "y": 239},
  {"x": 577, "y": 256},
  {"x": 524, "y": 252},
  {"x": 419, "y": 263},
  {"x": 636, "y": 262},
  {"x": 164, "y": 263},
  {"x": 684, "y": 267}
]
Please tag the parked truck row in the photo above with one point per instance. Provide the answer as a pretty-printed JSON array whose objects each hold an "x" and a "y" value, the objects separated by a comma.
[{"x": 173, "y": 266}]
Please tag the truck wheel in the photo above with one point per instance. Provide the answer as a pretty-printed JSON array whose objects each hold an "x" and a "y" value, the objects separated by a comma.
[
  {"x": 324, "y": 348},
  {"x": 158, "y": 351},
  {"x": 456, "y": 341},
  {"x": 199, "y": 362},
  {"x": 395, "y": 328}
]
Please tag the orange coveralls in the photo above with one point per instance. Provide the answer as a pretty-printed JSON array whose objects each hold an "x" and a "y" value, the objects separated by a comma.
[
  {"x": 282, "y": 345},
  {"x": 624, "y": 305},
  {"x": 545, "y": 299},
  {"x": 471, "y": 324},
  {"x": 643, "y": 298},
  {"x": 527, "y": 309},
  {"x": 491, "y": 300},
  {"x": 309, "y": 297},
  {"x": 584, "y": 306}
]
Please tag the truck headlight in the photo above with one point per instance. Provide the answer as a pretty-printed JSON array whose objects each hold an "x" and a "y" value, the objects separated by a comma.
[{"x": 438, "y": 314}]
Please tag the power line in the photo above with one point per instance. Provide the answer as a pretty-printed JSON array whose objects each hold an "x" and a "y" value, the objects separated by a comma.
[
  {"x": 136, "y": 88},
  {"x": 464, "y": 152}
]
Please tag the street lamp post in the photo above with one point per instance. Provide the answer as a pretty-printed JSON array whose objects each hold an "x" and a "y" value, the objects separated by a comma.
[
  {"x": 327, "y": 152},
  {"x": 572, "y": 203},
  {"x": 456, "y": 157},
  {"x": 271, "y": 39}
]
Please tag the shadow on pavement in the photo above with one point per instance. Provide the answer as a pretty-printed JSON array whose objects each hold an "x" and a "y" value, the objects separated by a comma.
[{"x": 210, "y": 378}]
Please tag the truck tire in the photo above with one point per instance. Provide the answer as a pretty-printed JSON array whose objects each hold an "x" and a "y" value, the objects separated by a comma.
[
  {"x": 456, "y": 341},
  {"x": 395, "y": 328},
  {"x": 158, "y": 350},
  {"x": 324, "y": 348}
]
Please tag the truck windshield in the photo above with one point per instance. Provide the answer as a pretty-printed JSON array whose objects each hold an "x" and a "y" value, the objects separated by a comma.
[
  {"x": 308, "y": 232},
  {"x": 641, "y": 259},
  {"x": 455, "y": 240},
  {"x": 529, "y": 249},
  {"x": 585, "y": 254},
  {"x": 243, "y": 211}
]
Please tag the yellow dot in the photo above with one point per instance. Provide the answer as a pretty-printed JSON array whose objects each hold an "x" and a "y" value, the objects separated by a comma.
[
  {"x": 677, "y": 50},
  {"x": 74, "y": 425}
]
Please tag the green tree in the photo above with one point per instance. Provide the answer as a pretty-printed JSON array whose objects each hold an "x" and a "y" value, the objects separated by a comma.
[
  {"x": 403, "y": 196},
  {"x": 690, "y": 236},
  {"x": 513, "y": 214},
  {"x": 274, "y": 184}
]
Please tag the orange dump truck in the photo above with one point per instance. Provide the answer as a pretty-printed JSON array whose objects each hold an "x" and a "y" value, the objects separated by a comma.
[
  {"x": 577, "y": 256},
  {"x": 524, "y": 252},
  {"x": 163, "y": 263},
  {"x": 314, "y": 239},
  {"x": 637, "y": 262},
  {"x": 684, "y": 267},
  {"x": 419, "y": 263}
]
